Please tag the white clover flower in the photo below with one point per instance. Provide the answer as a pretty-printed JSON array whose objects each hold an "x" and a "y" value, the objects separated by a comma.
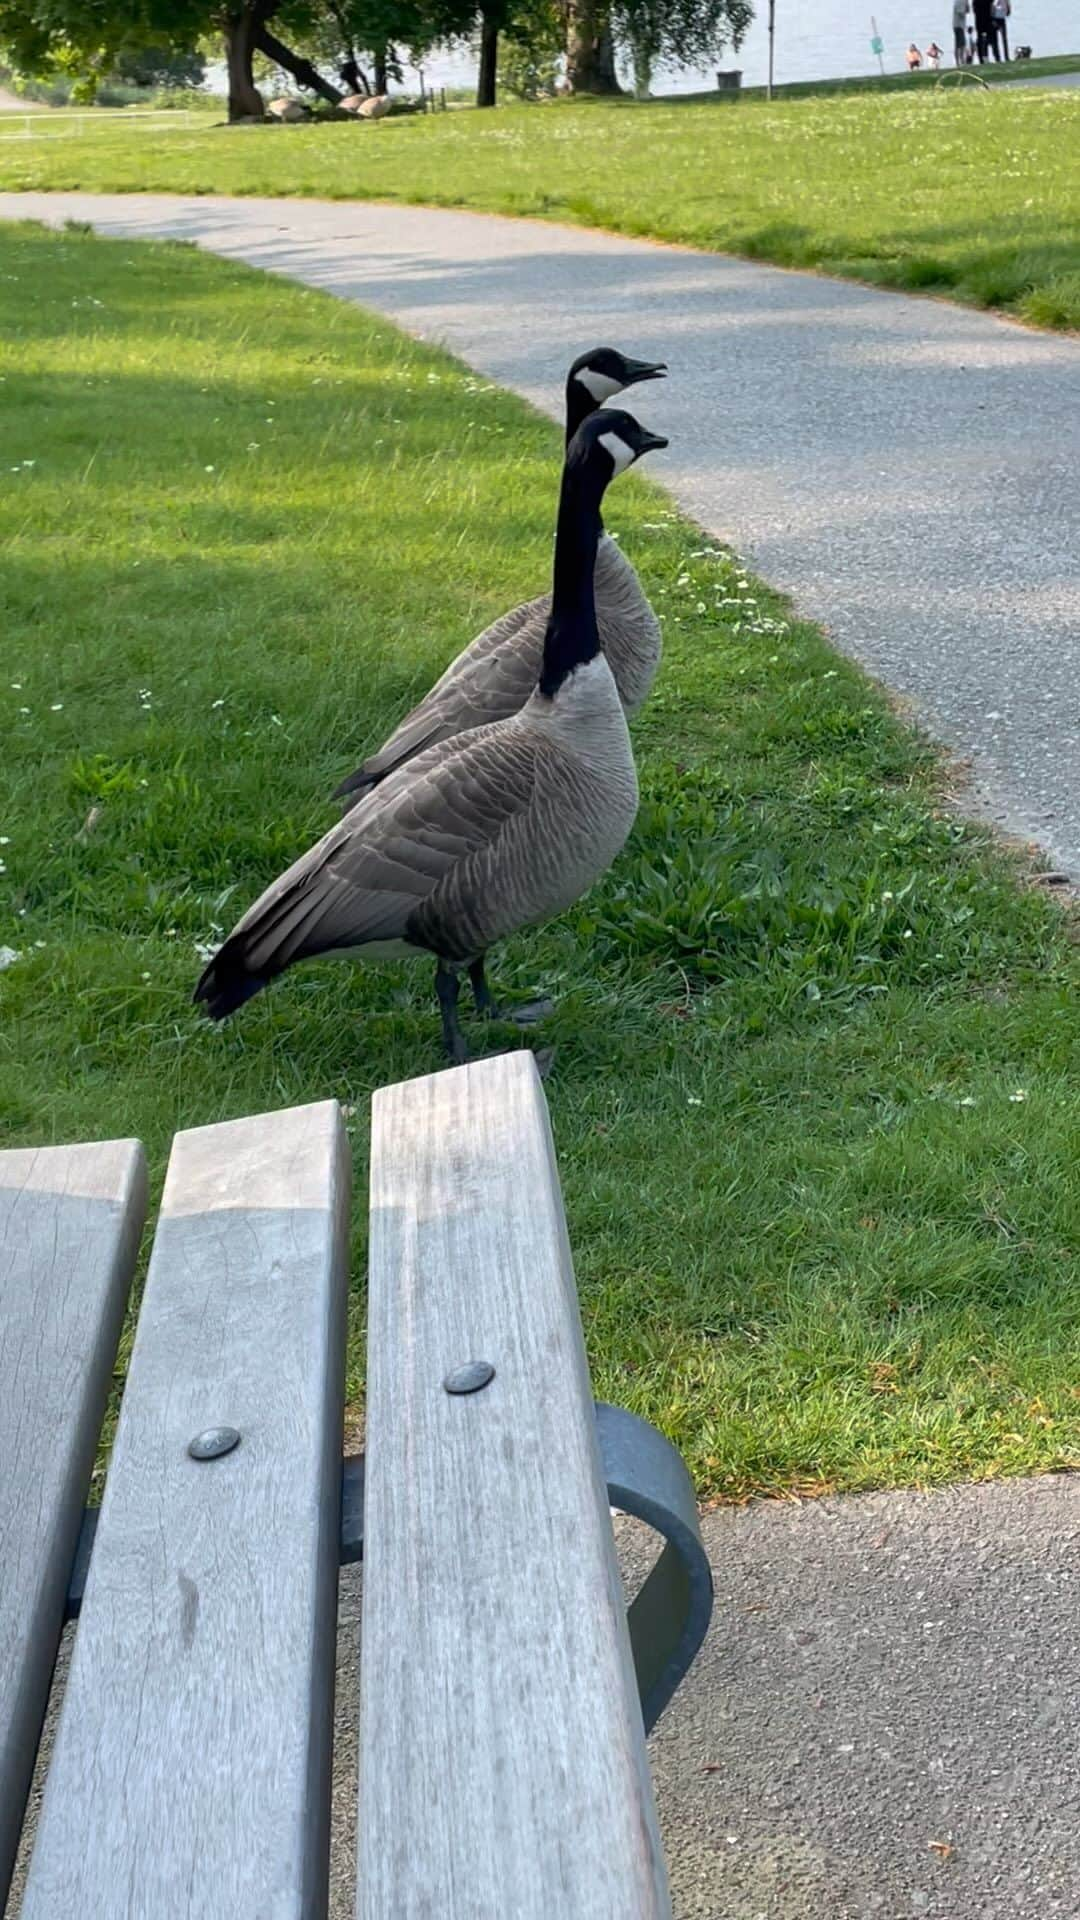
[{"x": 8, "y": 957}]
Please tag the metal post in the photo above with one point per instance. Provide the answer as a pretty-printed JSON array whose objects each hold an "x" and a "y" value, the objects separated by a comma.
[
  {"x": 877, "y": 45},
  {"x": 772, "y": 38}
]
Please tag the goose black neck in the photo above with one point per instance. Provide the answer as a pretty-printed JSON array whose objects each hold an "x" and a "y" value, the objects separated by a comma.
[
  {"x": 572, "y": 637},
  {"x": 579, "y": 405}
]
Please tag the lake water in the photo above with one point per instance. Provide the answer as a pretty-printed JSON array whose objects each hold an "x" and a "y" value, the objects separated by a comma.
[{"x": 819, "y": 39}]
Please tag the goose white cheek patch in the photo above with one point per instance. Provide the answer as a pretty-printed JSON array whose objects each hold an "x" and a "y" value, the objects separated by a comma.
[
  {"x": 621, "y": 454},
  {"x": 600, "y": 385}
]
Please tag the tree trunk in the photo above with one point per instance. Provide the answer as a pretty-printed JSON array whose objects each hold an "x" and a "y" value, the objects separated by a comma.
[
  {"x": 353, "y": 76},
  {"x": 590, "y": 49},
  {"x": 380, "y": 62},
  {"x": 606, "y": 76},
  {"x": 642, "y": 71},
  {"x": 489, "y": 57},
  {"x": 239, "y": 27},
  {"x": 302, "y": 70},
  {"x": 350, "y": 72}
]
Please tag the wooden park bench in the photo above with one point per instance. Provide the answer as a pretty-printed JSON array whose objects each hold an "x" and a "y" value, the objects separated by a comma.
[{"x": 504, "y": 1691}]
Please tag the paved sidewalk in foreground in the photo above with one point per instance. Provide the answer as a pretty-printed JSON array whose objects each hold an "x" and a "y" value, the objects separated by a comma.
[
  {"x": 886, "y": 1678},
  {"x": 905, "y": 467}
]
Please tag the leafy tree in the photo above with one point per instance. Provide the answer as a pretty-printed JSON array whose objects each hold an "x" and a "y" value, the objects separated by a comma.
[
  {"x": 358, "y": 38},
  {"x": 160, "y": 66},
  {"x": 531, "y": 47},
  {"x": 89, "y": 37},
  {"x": 681, "y": 33}
]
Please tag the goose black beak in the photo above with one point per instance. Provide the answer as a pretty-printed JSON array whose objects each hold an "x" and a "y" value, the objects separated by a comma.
[
  {"x": 651, "y": 442},
  {"x": 646, "y": 370}
]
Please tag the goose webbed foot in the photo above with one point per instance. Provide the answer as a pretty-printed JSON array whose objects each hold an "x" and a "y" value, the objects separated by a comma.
[
  {"x": 528, "y": 1014},
  {"x": 447, "y": 988}
]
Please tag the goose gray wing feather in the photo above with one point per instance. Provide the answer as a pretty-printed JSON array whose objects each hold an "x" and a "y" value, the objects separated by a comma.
[
  {"x": 497, "y": 673},
  {"x": 490, "y": 680},
  {"x": 364, "y": 881},
  {"x": 629, "y": 629}
]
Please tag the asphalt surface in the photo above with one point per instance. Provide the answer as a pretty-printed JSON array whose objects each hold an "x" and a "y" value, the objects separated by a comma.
[
  {"x": 1048, "y": 80},
  {"x": 905, "y": 468},
  {"x": 882, "y": 1724}
]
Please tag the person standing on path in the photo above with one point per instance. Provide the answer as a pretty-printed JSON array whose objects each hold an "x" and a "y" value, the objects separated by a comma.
[
  {"x": 984, "y": 27},
  {"x": 959, "y": 32},
  {"x": 1000, "y": 19}
]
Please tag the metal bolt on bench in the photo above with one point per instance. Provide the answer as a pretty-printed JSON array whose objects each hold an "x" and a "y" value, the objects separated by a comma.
[{"x": 505, "y": 1691}]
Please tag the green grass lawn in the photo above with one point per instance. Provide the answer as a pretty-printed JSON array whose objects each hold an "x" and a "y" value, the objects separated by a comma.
[
  {"x": 968, "y": 193},
  {"x": 814, "y": 1095}
]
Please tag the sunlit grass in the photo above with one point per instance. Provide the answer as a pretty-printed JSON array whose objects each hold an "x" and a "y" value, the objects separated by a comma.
[
  {"x": 814, "y": 1095},
  {"x": 971, "y": 194}
]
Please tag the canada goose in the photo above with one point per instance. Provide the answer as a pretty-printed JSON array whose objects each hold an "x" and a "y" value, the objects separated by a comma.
[
  {"x": 496, "y": 674},
  {"x": 486, "y": 832}
]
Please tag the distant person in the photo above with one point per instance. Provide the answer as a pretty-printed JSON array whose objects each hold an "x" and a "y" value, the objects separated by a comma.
[
  {"x": 914, "y": 58},
  {"x": 933, "y": 54},
  {"x": 984, "y": 27},
  {"x": 971, "y": 47},
  {"x": 1000, "y": 22},
  {"x": 959, "y": 32}
]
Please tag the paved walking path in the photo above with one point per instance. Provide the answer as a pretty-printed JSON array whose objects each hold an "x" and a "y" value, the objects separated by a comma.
[
  {"x": 907, "y": 469},
  {"x": 1048, "y": 80}
]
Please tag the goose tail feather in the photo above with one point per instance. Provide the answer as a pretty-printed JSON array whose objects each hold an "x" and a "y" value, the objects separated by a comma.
[
  {"x": 355, "y": 787},
  {"x": 226, "y": 983}
]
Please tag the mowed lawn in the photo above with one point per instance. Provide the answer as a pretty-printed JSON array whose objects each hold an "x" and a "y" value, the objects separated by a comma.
[
  {"x": 814, "y": 1093},
  {"x": 970, "y": 193}
]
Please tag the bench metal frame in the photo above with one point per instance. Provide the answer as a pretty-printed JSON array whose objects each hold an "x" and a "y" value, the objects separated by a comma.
[{"x": 646, "y": 1478}]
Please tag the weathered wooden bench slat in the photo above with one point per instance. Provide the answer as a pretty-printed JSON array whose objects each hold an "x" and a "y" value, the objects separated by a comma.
[
  {"x": 191, "y": 1769},
  {"x": 70, "y": 1220},
  {"x": 503, "y": 1767}
]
